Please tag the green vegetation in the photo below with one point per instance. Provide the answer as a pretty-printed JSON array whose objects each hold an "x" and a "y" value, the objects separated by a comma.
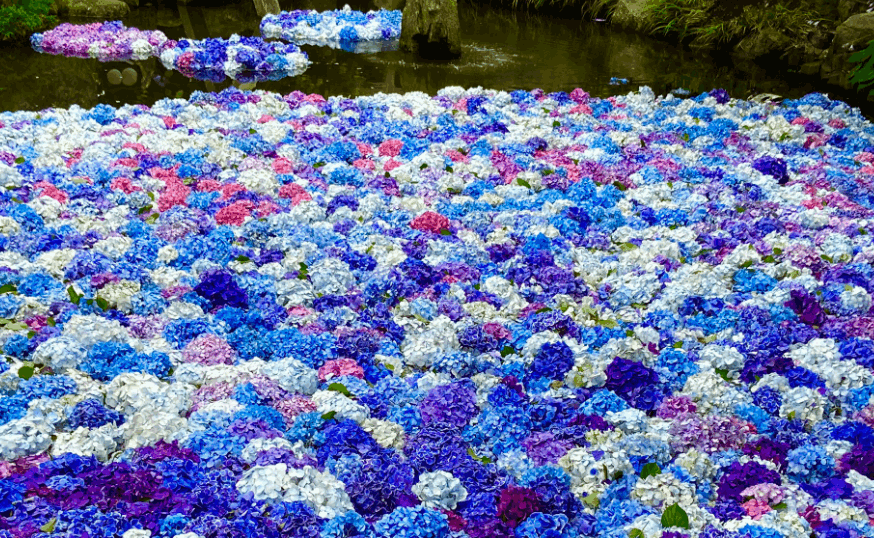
[
  {"x": 709, "y": 23},
  {"x": 863, "y": 72},
  {"x": 19, "y": 19}
]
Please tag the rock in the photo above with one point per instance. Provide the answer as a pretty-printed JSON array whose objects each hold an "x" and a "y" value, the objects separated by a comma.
[
  {"x": 431, "y": 29},
  {"x": 94, "y": 9},
  {"x": 631, "y": 15},
  {"x": 810, "y": 68},
  {"x": 846, "y": 8},
  {"x": 852, "y": 35},
  {"x": 263, "y": 7},
  {"x": 767, "y": 42}
]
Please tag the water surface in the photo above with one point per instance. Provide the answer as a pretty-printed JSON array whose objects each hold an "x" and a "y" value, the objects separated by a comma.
[{"x": 501, "y": 49}]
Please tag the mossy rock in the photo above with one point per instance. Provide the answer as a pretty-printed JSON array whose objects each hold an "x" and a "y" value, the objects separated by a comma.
[
  {"x": 94, "y": 9},
  {"x": 631, "y": 15}
]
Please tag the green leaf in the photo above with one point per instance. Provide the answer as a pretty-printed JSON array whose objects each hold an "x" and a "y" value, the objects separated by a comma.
[
  {"x": 609, "y": 323},
  {"x": 507, "y": 351},
  {"x": 678, "y": 345},
  {"x": 780, "y": 506},
  {"x": 444, "y": 231},
  {"x": 542, "y": 310},
  {"x": 151, "y": 195},
  {"x": 252, "y": 130},
  {"x": 674, "y": 516},
  {"x": 626, "y": 247},
  {"x": 777, "y": 251},
  {"x": 423, "y": 166},
  {"x": 523, "y": 183},
  {"x": 25, "y": 372},
  {"x": 50, "y": 322},
  {"x": 19, "y": 160},
  {"x": 329, "y": 415},
  {"x": 242, "y": 259},
  {"x": 144, "y": 209},
  {"x": 748, "y": 263},
  {"x": 556, "y": 123},
  {"x": 341, "y": 388},
  {"x": 8, "y": 288},
  {"x": 49, "y": 526},
  {"x": 636, "y": 533},
  {"x": 482, "y": 459},
  {"x": 769, "y": 259},
  {"x": 153, "y": 218},
  {"x": 102, "y": 303},
  {"x": 650, "y": 469},
  {"x": 74, "y": 298},
  {"x": 723, "y": 373},
  {"x": 620, "y": 186}
]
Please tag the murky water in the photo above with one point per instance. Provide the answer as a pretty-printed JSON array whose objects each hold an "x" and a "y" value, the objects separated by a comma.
[{"x": 501, "y": 49}]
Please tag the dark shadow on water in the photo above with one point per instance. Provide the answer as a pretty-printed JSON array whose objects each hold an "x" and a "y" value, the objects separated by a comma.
[{"x": 501, "y": 49}]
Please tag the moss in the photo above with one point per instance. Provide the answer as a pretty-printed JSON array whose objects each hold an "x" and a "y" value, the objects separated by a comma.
[{"x": 20, "y": 20}]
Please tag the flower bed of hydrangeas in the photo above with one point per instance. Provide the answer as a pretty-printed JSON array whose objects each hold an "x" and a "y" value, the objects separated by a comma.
[
  {"x": 340, "y": 28},
  {"x": 245, "y": 59},
  {"x": 478, "y": 314},
  {"x": 107, "y": 42}
]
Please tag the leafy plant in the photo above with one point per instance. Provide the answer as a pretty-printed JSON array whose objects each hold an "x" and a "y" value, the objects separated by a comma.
[
  {"x": 707, "y": 23},
  {"x": 18, "y": 21},
  {"x": 863, "y": 73}
]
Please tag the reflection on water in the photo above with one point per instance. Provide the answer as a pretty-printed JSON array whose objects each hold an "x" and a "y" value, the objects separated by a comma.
[{"x": 501, "y": 49}]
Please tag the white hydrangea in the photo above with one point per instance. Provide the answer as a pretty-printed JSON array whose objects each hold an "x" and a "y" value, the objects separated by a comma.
[
  {"x": 321, "y": 491},
  {"x": 439, "y": 489}
]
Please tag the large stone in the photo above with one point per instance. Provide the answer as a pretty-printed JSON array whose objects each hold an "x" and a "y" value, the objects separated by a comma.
[
  {"x": 631, "y": 15},
  {"x": 766, "y": 43},
  {"x": 847, "y": 8},
  {"x": 94, "y": 9},
  {"x": 851, "y": 36},
  {"x": 431, "y": 29},
  {"x": 264, "y": 7}
]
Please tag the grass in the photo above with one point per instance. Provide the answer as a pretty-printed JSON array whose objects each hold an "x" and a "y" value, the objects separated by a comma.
[
  {"x": 707, "y": 24},
  {"x": 19, "y": 19}
]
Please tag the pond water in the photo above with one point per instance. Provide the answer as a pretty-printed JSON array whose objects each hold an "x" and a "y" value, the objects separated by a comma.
[{"x": 501, "y": 49}]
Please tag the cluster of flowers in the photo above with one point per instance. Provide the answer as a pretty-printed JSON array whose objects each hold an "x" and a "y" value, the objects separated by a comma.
[
  {"x": 245, "y": 59},
  {"x": 478, "y": 314},
  {"x": 339, "y": 28},
  {"x": 108, "y": 41}
]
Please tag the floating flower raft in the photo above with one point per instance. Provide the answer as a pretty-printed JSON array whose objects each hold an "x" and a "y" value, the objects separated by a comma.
[
  {"x": 478, "y": 314},
  {"x": 240, "y": 58},
  {"x": 108, "y": 41},
  {"x": 338, "y": 28}
]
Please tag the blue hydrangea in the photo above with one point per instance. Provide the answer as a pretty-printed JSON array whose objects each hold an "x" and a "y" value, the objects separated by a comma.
[
  {"x": 603, "y": 401},
  {"x": 91, "y": 413},
  {"x": 46, "y": 386},
  {"x": 415, "y": 522},
  {"x": 810, "y": 464}
]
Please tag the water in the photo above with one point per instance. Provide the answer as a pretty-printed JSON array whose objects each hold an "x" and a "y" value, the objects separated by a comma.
[{"x": 501, "y": 49}]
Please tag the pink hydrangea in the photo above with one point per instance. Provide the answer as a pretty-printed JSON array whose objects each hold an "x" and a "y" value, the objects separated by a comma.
[
  {"x": 209, "y": 349},
  {"x": 430, "y": 221},
  {"x": 390, "y": 148},
  {"x": 339, "y": 368},
  {"x": 295, "y": 192},
  {"x": 174, "y": 194},
  {"x": 282, "y": 166},
  {"x": 235, "y": 213},
  {"x": 294, "y": 406},
  {"x": 756, "y": 508},
  {"x": 211, "y": 393}
]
